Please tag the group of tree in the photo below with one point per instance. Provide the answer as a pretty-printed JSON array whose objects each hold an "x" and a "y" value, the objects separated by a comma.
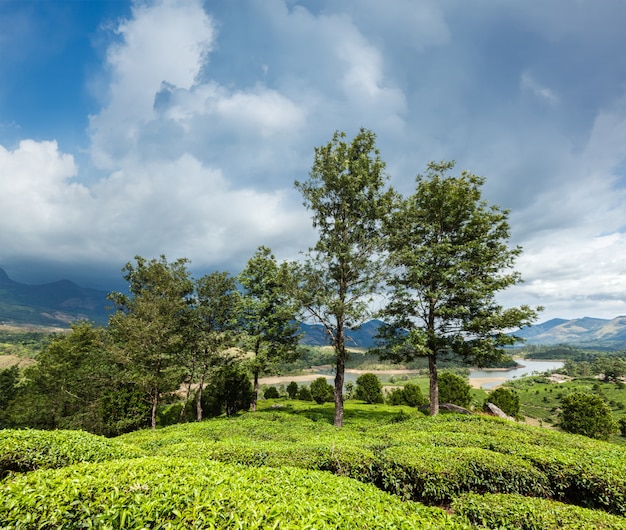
[
  {"x": 440, "y": 254},
  {"x": 169, "y": 337},
  {"x": 439, "y": 257}
]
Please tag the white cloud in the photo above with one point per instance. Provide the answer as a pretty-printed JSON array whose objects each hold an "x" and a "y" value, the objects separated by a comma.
[
  {"x": 212, "y": 111},
  {"x": 529, "y": 84}
]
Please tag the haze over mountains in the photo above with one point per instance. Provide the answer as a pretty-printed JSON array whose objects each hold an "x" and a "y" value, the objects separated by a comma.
[{"x": 61, "y": 302}]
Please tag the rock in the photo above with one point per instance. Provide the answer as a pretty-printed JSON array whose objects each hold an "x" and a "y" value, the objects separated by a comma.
[
  {"x": 450, "y": 407},
  {"x": 491, "y": 409}
]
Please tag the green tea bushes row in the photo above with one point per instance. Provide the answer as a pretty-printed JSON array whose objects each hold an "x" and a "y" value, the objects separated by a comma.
[
  {"x": 29, "y": 449},
  {"x": 183, "y": 493},
  {"x": 519, "y": 512},
  {"x": 576, "y": 469},
  {"x": 436, "y": 475}
]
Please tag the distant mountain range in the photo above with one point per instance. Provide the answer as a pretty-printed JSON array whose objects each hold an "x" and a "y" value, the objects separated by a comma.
[
  {"x": 585, "y": 332},
  {"x": 59, "y": 303},
  {"x": 51, "y": 304}
]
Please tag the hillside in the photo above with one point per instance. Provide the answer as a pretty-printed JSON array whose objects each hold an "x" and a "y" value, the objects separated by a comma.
[
  {"x": 61, "y": 302},
  {"x": 585, "y": 332},
  {"x": 287, "y": 467},
  {"x": 51, "y": 304}
]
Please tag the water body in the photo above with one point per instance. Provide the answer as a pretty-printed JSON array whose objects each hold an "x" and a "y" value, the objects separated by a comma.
[
  {"x": 478, "y": 378},
  {"x": 491, "y": 378}
]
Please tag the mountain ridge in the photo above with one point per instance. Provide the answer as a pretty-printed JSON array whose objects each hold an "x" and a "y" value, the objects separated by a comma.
[
  {"x": 53, "y": 304},
  {"x": 61, "y": 302}
]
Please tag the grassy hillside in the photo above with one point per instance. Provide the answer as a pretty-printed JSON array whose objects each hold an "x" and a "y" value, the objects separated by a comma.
[{"x": 286, "y": 466}]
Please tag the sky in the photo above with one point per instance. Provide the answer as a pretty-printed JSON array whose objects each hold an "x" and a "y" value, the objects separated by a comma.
[{"x": 178, "y": 127}]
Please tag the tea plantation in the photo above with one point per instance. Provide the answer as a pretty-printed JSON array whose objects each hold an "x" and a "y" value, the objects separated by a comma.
[{"x": 286, "y": 466}]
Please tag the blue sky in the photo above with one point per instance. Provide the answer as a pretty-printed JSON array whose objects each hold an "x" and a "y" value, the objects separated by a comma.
[{"x": 178, "y": 127}]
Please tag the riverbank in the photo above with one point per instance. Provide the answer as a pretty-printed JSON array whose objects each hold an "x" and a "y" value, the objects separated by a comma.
[{"x": 487, "y": 378}]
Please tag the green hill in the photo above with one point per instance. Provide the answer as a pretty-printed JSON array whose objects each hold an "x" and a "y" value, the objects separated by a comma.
[{"x": 286, "y": 466}]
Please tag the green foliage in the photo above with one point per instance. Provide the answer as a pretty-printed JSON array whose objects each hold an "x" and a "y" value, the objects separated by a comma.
[
  {"x": 74, "y": 374},
  {"x": 271, "y": 393},
  {"x": 348, "y": 196},
  {"x": 369, "y": 388},
  {"x": 229, "y": 391},
  {"x": 8, "y": 390},
  {"x": 435, "y": 460},
  {"x": 123, "y": 409},
  {"x": 181, "y": 493},
  {"x": 292, "y": 390},
  {"x": 211, "y": 332},
  {"x": 454, "y": 389},
  {"x": 587, "y": 414},
  {"x": 321, "y": 391},
  {"x": 410, "y": 394},
  {"x": 148, "y": 325},
  {"x": 21, "y": 342},
  {"x": 304, "y": 394},
  {"x": 450, "y": 251},
  {"x": 269, "y": 310},
  {"x": 518, "y": 511},
  {"x": 622, "y": 426},
  {"x": 506, "y": 399},
  {"x": 28, "y": 449}
]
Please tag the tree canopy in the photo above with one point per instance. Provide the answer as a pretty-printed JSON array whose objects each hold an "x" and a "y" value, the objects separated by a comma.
[
  {"x": 449, "y": 254},
  {"x": 348, "y": 196}
]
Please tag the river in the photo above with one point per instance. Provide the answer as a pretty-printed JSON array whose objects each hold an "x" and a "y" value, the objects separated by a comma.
[{"x": 478, "y": 378}]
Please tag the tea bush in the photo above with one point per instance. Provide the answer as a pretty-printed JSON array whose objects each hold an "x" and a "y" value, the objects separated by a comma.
[
  {"x": 177, "y": 493},
  {"x": 516, "y": 511},
  {"x": 29, "y": 449}
]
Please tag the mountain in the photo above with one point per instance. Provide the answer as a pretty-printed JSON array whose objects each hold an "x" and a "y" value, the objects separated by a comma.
[
  {"x": 51, "y": 304},
  {"x": 59, "y": 303},
  {"x": 585, "y": 332},
  {"x": 361, "y": 337}
]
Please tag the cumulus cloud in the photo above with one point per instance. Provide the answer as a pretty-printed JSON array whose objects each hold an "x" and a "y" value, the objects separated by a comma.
[{"x": 210, "y": 112}]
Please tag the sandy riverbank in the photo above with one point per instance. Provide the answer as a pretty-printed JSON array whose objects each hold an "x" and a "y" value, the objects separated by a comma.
[{"x": 307, "y": 378}]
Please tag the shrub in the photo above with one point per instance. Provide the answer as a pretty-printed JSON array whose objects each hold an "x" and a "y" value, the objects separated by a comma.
[
  {"x": 304, "y": 394},
  {"x": 395, "y": 397},
  {"x": 229, "y": 391},
  {"x": 28, "y": 449},
  {"x": 506, "y": 399},
  {"x": 622, "y": 426},
  {"x": 413, "y": 395},
  {"x": 410, "y": 395},
  {"x": 178, "y": 493},
  {"x": 586, "y": 414},
  {"x": 321, "y": 391},
  {"x": 292, "y": 390},
  {"x": 271, "y": 393},
  {"x": 369, "y": 389},
  {"x": 517, "y": 511},
  {"x": 454, "y": 389}
]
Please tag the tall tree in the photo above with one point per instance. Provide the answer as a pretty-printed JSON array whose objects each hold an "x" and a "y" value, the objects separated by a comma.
[
  {"x": 450, "y": 257},
  {"x": 215, "y": 327},
  {"x": 148, "y": 325},
  {"x": 269, "y": 311},
  {"x": 64, "y": 388},
  {"x": 348, "y": 195}
]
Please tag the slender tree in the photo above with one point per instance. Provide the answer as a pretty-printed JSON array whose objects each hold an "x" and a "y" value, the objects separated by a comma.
[
  {"x": 450, "y": 257},
  {"x": 148, "y": 325},
  {"x": 268, "y": 317},
  {"x": 348, "y": 195},
  {"x": 215, "y": 327}
]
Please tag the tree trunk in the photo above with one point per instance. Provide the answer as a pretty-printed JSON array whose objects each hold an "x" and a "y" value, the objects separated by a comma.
[
  {"x": 155, "y": 404},
  {"x": 434, "y": 387},
  {"x": 188, "y": 392},
  {"x": 339, "y": 374},
  {"x": 255, "y": 392},
  {"x": 199, "y": 399}
]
